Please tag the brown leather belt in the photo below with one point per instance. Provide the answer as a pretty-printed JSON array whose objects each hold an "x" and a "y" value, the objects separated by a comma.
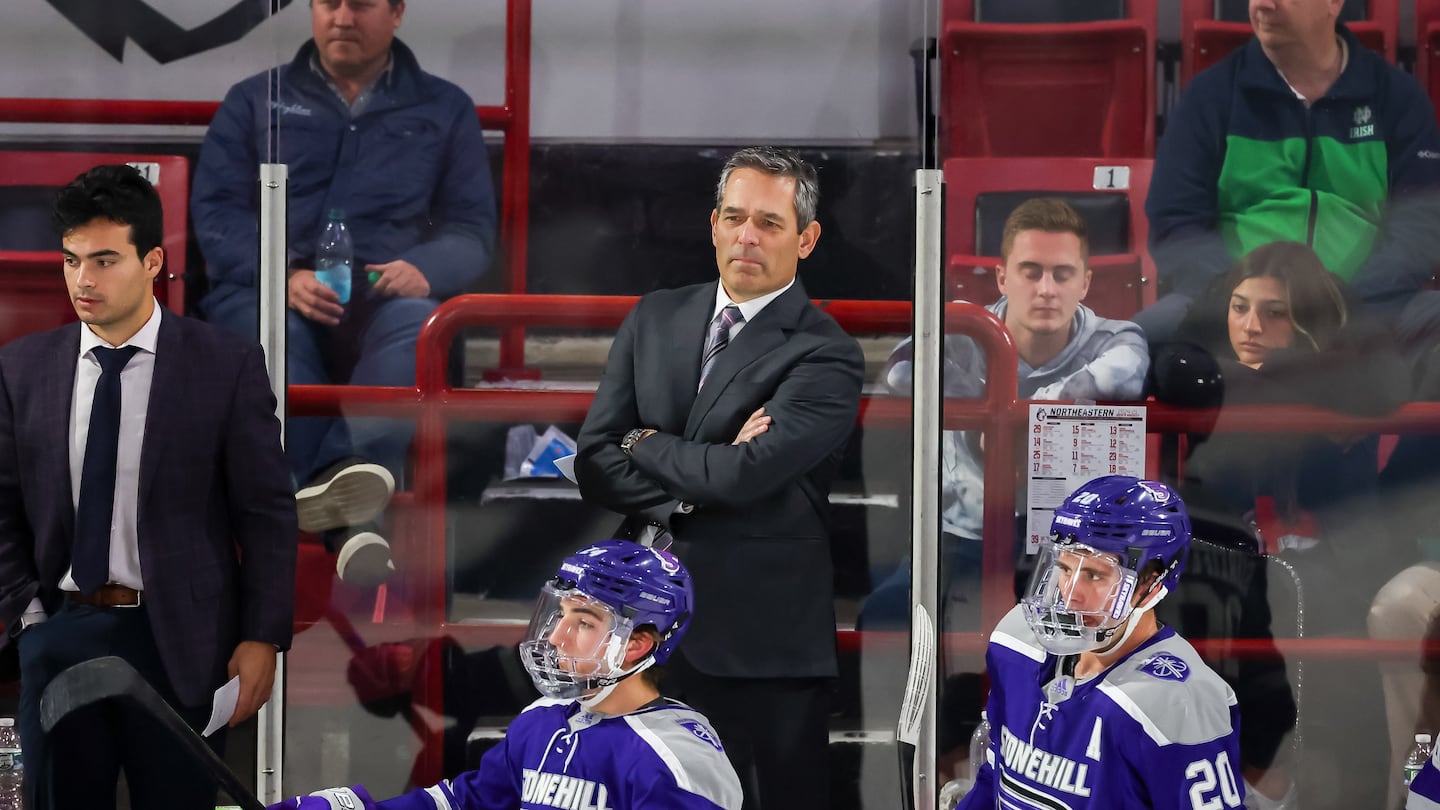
[{"x": 107, "y": 596}]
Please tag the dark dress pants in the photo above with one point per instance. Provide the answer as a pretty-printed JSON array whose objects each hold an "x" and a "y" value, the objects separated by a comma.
[
  {"x": 776, "y": 732},
  {"x": 79, "y": 764}
]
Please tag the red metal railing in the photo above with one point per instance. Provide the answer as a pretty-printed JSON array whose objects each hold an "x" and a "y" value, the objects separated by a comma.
[{"x": 433, "y": 402}]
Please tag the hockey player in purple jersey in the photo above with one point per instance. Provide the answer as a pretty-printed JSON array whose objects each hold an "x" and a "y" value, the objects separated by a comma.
[
  {"x": 602, "y": 737},
  {"x": 1093, "y": 704}
]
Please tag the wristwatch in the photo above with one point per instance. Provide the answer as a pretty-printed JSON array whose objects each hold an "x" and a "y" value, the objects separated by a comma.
[{"x": 627, "y": 444}]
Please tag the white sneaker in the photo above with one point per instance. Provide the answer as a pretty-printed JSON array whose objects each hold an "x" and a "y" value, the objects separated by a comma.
[
  {"x": 348, "y": 494},
  {"x": 364, "y": 561}
]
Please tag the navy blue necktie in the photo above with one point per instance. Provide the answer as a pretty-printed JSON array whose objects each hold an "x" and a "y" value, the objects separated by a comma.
[
  {"x": 718, "y": 338},
  {"x": 90, "y": 557}
]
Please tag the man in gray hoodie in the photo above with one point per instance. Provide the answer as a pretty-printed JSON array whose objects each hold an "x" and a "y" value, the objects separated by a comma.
[{"x": 1067, "y": 352}]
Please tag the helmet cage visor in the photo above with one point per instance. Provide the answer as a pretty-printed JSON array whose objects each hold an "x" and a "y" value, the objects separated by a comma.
[
  {"x": 574, "y": 643},
  {"x": 1078, "y": 596}
]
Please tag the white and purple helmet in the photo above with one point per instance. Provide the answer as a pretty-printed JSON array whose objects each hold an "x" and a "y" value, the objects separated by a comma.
[
  {"x": 585, "y": 616},
  {"x": 1104, "y": 536}
]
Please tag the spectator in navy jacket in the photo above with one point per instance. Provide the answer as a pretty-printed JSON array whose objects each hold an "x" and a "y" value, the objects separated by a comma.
[{"x": 363, "y": 130}]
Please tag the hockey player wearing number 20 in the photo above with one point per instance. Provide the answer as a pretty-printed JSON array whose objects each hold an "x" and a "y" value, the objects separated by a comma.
[
  {"x": 1092, "y": 703},
  {"x": 602, "y": 737}
]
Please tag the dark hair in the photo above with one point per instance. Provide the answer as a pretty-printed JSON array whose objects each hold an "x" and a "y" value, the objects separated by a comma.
[
  {"x": 1317, "y": 306},
  {"x": 118, "y": 193},
  {"x": 652, "y": 674},
  {"x": 1049, "y": 214},
  {"x": 778, "y": 163}
]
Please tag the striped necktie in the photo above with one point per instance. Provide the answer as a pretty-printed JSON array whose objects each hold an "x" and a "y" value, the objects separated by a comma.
[{"x": 719, "y": 338}]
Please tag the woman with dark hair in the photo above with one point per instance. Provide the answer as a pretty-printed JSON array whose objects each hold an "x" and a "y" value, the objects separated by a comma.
[
  {"x": 1287, "y": 337},
  {"x": 1277, "y": 328},
  {"x": 1277, "y": 297},
  {"x": 1281, "y": 297}
]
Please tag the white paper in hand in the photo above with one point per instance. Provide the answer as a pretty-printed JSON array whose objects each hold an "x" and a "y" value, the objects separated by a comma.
[
  {"x": 224, "y": 708},
  {"x": 566, "y": 466},
  {"x": 922, "y": 672}
]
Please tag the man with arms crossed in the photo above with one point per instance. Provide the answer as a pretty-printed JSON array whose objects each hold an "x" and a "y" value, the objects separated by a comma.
[{"x": 723, "y": 412}]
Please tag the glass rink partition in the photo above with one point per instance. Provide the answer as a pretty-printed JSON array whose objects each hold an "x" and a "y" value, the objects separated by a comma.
[
  {"x": 401, "y": 685},
  {"x": 1311, "y": 584}
]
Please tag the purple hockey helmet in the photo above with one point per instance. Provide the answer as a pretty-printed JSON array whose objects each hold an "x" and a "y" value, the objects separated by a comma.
[
  {"x": 1103, "y": 538},
  {"x": 615, "y": 587},
  {"x": 645, "y": 585},
  {"x": 1140, "y": 521}
]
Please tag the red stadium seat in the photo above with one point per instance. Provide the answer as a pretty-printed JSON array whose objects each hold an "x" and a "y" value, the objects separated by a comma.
[
  {"x": 1205, "y": 39},
  {"x": 1427, "y": 47},
  {"x": 1124, "y": 275},
  {"x": 33, "y": 297},
  {"x": 1040, "y": 89}
]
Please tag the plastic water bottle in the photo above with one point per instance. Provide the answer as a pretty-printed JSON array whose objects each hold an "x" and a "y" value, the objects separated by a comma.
[
  {"x": 335, "y": 256},
  {"x": 12, "y": 767},
  {"x": 979, "y": 745},
  {"x": 1418, "y": 756},
  {"x": 952, "y": 792}
]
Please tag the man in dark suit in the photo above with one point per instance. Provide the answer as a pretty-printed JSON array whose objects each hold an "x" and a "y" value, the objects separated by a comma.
[
  {"x": 145, "y": 509},
  {"x": 722, "y": 413}
]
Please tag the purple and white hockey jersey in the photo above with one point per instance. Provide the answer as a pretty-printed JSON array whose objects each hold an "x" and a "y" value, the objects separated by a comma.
[
  {"x": 1425, "y": 788},
  {"x": 556, "y": 756},
  {"x": 1158, "y": 729}
]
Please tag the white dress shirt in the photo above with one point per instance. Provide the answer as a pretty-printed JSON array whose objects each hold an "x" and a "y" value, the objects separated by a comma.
[
  {"x": 135, "y": 382},
  {"x": 749, "y": 309}
]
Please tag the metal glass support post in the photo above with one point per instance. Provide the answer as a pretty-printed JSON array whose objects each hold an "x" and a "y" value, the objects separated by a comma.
[
  {"x": 269, "y": 754},
  {"x": 928, "y": 331}
]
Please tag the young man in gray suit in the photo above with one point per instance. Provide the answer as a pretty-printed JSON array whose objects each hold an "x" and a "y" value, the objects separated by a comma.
[
  {"x": 145, "y": 509},
  {"x": 722, "y": 413}
]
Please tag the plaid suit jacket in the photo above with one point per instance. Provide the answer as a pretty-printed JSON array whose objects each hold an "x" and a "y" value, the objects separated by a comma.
[{"x": 216, "y": 526}]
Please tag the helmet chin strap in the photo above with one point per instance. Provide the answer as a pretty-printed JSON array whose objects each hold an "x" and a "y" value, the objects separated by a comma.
[
  {"x": 1133, "y": 619},
  {"x": 591, "y": 700}
]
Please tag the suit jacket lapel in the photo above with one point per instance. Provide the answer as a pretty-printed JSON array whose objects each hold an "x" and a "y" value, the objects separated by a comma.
[
  {"x": 684, "y": 337},
  {"x": 57, "y": 394},
  {"x": 767, "y": 332},
  {"x": 166, "y": 378}
]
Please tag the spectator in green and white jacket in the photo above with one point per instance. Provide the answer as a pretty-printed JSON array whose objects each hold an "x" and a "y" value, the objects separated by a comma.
[{"x": 1302, "y": 135}]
